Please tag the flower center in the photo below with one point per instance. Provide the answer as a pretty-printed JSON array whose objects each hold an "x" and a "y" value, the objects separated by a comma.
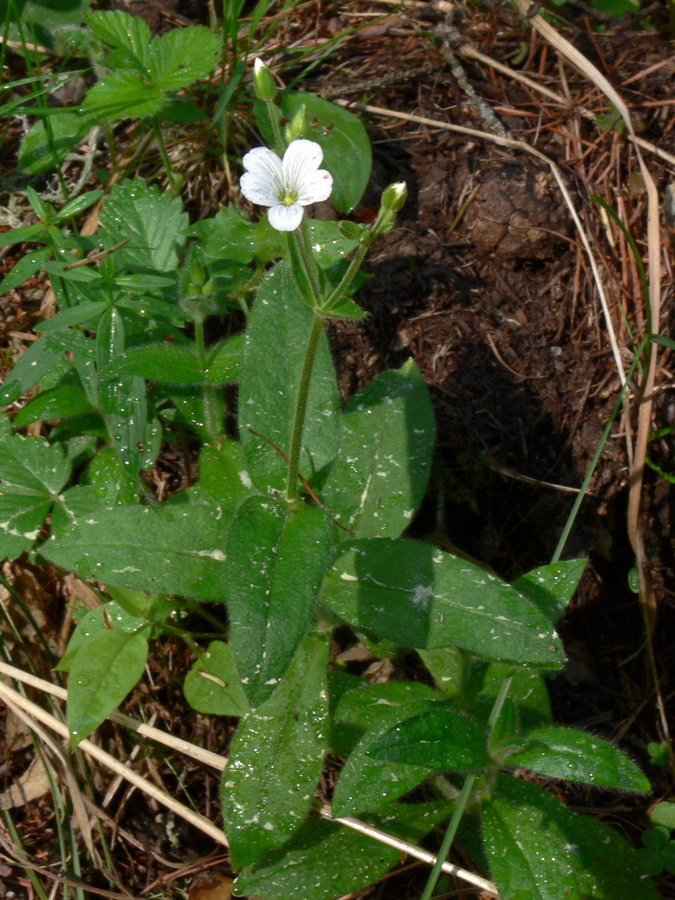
[{"x": 288, "y": 196}]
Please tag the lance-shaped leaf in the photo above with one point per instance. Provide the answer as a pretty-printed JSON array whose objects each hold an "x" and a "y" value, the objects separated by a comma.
[
  {"x": 367, "y": 782},
  {"x": 274, "y": 353},
  {"x": 540, "y": 850},
  {"x": 307, "y": 866},
  {"x": 438, "y": 739},
  {"x": 551, "y": 587},
  {"x": 176, "y": 548},
  {"x": 577, "y": 756},
  {"x": 31, "y": 476},
  {"x": 275, "y": 562},
  {"x": 386, "y": 444},
  {"x": 106, "y": 667},
  {"x": 419, "y": 596},
  {"x": 276, "y": 757}
]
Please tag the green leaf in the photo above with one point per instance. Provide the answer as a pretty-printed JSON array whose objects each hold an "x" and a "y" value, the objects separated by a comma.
[
  {"x": 41, "y": 19},
  {"x": 552, "y": 587},
  {"x": 107, "y": 666},
  {"x": 223, "y": 478},
  {"x": 224, "y": 360},
  {"x": 182, "y": 56},
  {"x": 154, "y": 222},
  {"x": 539, "y": 849},
  {"x": 344, "y": 140},
  {"x": 228, "y": 235},
  {"x": 76, "y": 315},
  {"x": 26, "y": 267},
  {"x": 365, "y": 781},
  {"x": 276, "y": 758},
  {"x": 176, "y": 548},
  {"x": 412, "y": 593},
  {"x": 438, "y": 739},
  {"x": 110, "y": 481},
  {"x": 664, "y": 814},
  {"x": 386, "y": 445},
  {"x": 31, "y": 475},
  {"x": 528, "y": 697},
  {"x": 577, "y": 756},
  {"x": 59, "y": 402},
  {"x": 126, "y": 38},
  {"x": 95, "y": 620},
  {"x": 38, "y": 154},
  {"x": 39, "y": 359},
  {"x": 122, "y": 95},
  {"x": 324, "y": 860},
  {"x": 213, "y": 686},
  {"x": 160, "y": 362},
  {"x": 656, "y": 838},
  {"x": 274, "y": 352},
  {"x": 276, "y": 556}
]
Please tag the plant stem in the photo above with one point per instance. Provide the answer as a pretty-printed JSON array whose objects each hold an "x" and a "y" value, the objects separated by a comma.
[
  {"x": 301, "y": 405},
  {"x": 449, "y": 837},
  {"x": 164, "y": 153},
  {"x": 210, "y": 399},
  {"x": 463, "y": 799}
]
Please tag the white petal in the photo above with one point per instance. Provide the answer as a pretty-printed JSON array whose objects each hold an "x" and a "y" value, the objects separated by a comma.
[
  {"x": 263, "y": 190},
  {"x": 302, "y": 158},
  {"x": 285, "y": 218},
  {"x": 315, "y": 188},
  {"x": 262, "y": 159}
]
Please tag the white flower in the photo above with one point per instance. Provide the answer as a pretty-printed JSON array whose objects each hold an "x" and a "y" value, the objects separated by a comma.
[{"x": 287, "y": 185}]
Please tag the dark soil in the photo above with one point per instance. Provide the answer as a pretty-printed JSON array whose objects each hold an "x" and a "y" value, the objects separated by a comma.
[{"x": 484, "y": 282}]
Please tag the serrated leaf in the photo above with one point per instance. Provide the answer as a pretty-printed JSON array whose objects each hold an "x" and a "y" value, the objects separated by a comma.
[
  {"x": 106, "y": 667},
  {"x": 38, "y": 153},
  {"x": 159, "y": 362},
  {"x": 539, "y": 849},
  {"x": 436, "y": 739},
  {"x": 414, "y": 594},
  {"x": 126, "y": 37},
  {"x": 213, "y": 686},
  {"x": 276, "y": 758},
  {"x": 274, "y": 352},
  {"x": 183, "y": 56},
  {"x": 154, "y": 222},
  {"x": 122, "y": 95},
  {"x": 307, "y": 866},
  {"x": 176, "y": 548},
  {"x": 386, "y": 445},
  {"x": 552, "y": 587},
  {"x": 365, "y": 781},
  {"x": 577, "y": 756},
  {"x": 227, "y": 235},
  {"x": 31, "y": 475},
  {"x": 275, "y": 561}
]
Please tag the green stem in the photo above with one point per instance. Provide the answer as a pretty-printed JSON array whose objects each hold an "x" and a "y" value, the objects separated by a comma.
[
  {"x": 349, "y": 275},
  {"x": 164, "y": 153},
  {"x": 210, "y": 398},
  {"x": 308, "y": 262},
  {"x": 463, "y": 799},
  {"x": 449, "y": 837},
  {"x": 301, "y": 405},
  {"x": 279, "y": 140}
]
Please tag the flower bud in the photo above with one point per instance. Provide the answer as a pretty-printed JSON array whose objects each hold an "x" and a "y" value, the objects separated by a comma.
[
  {"x": 263, "y": 81},
  {"x": 297, "y": 126},
  {"x": 394, "y": 196}
]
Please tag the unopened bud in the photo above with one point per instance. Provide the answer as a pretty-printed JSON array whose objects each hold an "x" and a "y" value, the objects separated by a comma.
[
  {"x": 297, "y": 127},
  {"x": 263, "y": 81},
  {"x": 394, "y": 196}
]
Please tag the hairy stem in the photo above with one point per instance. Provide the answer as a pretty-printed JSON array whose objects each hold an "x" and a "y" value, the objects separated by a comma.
[{"x": 301, "y": 405}]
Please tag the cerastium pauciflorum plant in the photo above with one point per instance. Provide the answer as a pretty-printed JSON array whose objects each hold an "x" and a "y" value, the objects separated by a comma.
[{"x": 293, "y": 529}]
